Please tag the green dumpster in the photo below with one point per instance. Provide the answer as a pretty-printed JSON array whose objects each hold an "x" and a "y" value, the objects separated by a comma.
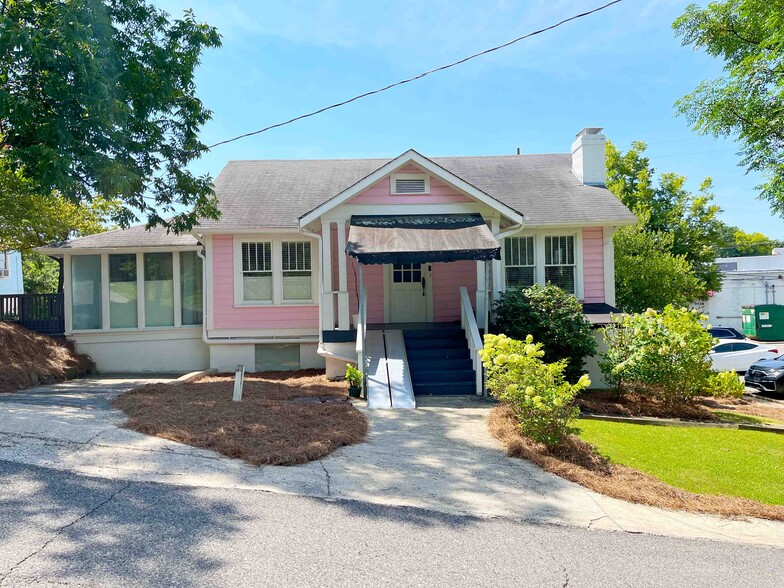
[{"x": 763, "y": 322}]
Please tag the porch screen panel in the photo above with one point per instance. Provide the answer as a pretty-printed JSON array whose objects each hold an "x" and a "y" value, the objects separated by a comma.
[
  {"x": 520, "y": 262},
  {"x": 297, "y": 275},
  {"x": 86, "y": 291},
  {"x": 559, "y": 262},
  {"x": 191, "y": 288},
  {"x": 158, "y": 290},
  {"x": 257, "y": 272},
  {"x": 123, "y": 311}
]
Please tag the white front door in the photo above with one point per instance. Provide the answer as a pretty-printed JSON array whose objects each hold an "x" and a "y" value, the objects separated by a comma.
[{"x": 408, "y": 293}]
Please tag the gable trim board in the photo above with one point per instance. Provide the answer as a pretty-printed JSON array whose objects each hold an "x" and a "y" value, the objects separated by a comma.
[{"x": 427, "y": 165}]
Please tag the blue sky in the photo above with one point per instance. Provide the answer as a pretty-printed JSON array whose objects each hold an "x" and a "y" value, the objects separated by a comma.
[{"x": 621, "y": 69}]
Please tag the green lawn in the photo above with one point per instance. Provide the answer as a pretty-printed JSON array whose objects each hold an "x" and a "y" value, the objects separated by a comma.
[
  {"x": 728, "y": 416},
  {"x": 749, "y": 464}
]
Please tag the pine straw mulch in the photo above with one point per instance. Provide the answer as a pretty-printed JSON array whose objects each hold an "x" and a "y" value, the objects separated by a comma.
[
  {"x": 747, "y": 407},
  {"x": 28, "y": 359},
  {"x": 284, "y": 418},
  {"x": 635, "y": 404},
  {"x": 578, "y": 462}
]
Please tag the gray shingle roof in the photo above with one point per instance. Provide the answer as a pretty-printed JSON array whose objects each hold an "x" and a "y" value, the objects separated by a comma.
[
  {"x": 134, "y": 237},
  {"x": 276, "y": 193}
]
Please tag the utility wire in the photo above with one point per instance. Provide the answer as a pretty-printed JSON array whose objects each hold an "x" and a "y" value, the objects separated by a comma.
[{"x": 417, "y": 77}]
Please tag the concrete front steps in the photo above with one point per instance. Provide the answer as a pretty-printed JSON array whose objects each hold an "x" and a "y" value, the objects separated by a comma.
[{"x": 439, "y": 361}]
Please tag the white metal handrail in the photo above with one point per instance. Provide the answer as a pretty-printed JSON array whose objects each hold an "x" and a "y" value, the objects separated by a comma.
[
  {"x": 361, "y": 333},
  {"x": 475, "y": 345}
]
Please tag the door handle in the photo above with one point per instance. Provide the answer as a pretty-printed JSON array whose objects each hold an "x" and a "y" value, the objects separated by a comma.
[{"x": 423, "y": 285}]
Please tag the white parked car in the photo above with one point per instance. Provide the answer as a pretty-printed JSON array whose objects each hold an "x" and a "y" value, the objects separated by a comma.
[{"x": 739, "y": 355}]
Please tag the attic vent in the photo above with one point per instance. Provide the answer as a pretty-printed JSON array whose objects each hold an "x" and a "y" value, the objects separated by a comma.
[{"x": 410, "y": 184}]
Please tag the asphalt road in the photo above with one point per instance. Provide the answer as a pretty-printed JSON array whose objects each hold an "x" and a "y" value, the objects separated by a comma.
[{"x": 58, "y": 528}]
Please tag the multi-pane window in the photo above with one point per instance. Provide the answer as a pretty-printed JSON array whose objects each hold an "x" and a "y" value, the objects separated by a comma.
[
  {"x": 406, "y": 273},
  {"x": 86, "y": 291},
  {"x": 158, "y": 290},
  {"x": 4, "y": 265},
  {"x": 559, "y": 262},
  {"x": 257, "y": 271},
  {"x": 520, "y": 262},
  {"x": 191, "y": 288},
  {"x": 123, "y": 310},
  {"x": 297, "y": 276}
]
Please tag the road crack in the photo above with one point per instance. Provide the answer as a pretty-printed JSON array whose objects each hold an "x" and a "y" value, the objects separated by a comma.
[
  {"x": 329, "y": 479},
  {"x": 62, "y": 530}
]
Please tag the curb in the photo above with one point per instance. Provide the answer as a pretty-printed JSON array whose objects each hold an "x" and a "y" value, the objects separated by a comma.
[
  {"x": 657, "y": 422},
  {"x": 192, "y": 376}
]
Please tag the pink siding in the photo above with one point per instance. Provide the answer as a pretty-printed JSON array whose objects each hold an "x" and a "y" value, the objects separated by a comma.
[
  {"x": 227, "y": 316},
  {"x": 380, "y": 193},
  {"x": 593, "y": 264},
  {"x": 447, "y": 279}
]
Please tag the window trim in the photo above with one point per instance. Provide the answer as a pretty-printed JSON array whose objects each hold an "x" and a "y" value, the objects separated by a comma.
[
  {"x": 5, "y": 271},
  {"x": 572, "y": 265},
  {"x": 539, "y": 255},
  {"x": 277, "y": 241},
  {"x": 506, "y": 261},
  {"x": 105, "y": 307},
  {"x": 393, "y": 183}
]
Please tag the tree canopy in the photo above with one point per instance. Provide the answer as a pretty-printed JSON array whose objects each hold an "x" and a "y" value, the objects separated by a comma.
[
  {"x": 747, "y": 102},
  {"x": 738, "y": 243},
  {"x": 687, "y": 221},
  {"x": 97, "y": 99}
]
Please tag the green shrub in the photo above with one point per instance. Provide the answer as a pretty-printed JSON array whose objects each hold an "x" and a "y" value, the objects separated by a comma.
[
  {"x": 353, "y": 376},
  {"x": 724, "y": 384},
  {"x": 553, "y": 317},
  {"x": 663, "y": 353},
  {"x": 537, "y": 392}
]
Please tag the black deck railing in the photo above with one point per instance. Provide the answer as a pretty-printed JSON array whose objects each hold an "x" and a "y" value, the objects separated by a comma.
[{"x": 42, "y": 313}]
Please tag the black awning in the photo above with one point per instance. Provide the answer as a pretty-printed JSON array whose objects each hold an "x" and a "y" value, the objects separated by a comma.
[{"x": 421, "y": 238}]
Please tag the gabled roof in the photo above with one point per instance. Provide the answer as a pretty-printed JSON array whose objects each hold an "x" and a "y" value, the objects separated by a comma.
[
  {"x": 426, "y": 165},
  {"x": 133, "y": 238},
  {"x": 277, "y": 193}
]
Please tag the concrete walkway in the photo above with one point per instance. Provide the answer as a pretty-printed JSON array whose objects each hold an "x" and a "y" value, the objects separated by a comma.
[{"x": 437, "y": 457}]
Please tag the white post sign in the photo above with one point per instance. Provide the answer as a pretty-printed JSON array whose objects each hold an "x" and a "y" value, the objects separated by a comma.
[{"x": 239, "y": 381}]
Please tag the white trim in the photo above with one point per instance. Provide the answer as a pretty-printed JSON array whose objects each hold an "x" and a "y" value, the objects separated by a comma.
[
  {"x": 208, "y": 292},
  {"x": 58, "y": 251},
  {"x": 105, "y": 294},
  {"x": 277, "y": 268},
  {"x": 67, "y": 299},
  {"x": 177, "y": 277},
  {"x": 426, "y": 165},
  {"x": 608, "y": 260},
  {"x": 393, "y": 183},
  {"x": 140, "y": 294},
  {"x": 539, "y": 255}
]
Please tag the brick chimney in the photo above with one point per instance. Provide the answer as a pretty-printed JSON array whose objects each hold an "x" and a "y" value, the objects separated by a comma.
[{"x": 588, "y": 157}]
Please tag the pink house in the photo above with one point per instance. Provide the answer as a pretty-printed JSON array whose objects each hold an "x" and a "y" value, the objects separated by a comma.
[{"x": 312, "y": 262}]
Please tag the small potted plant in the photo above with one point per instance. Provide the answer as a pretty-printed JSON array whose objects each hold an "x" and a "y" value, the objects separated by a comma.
[{"x": 354, "y": 379}]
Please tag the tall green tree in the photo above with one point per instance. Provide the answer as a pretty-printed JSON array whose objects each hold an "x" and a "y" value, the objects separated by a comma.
[
  {"x": 648, "y": 274},
  {"x": 747, "y": 102},
  {"x": 668, "y": 208},
  {"x": 97, "y": 98}
]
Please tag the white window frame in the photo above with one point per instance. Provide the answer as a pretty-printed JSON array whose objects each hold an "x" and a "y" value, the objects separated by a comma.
[
  {"x": 393, "y": 183},
  {"x": 507, "y": 263},
  {"x": 277, "y": 241},
  {"x": 571, "y": 265},
  {"x": 243, "y": 271},
  {"x": 5, "y": 271},
  {"x": 284, "y": 272},
  {"x": 105, "y": 296},
  {"x": 539, "y": 255}
]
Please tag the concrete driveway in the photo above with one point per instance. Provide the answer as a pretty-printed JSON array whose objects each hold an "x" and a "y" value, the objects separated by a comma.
[{"x": 440, "y": 457}]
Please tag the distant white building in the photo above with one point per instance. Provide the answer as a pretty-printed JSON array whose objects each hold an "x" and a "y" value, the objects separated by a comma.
[
  {"x": 11, "y": 273},
  {"x": 747, "y": 280}
]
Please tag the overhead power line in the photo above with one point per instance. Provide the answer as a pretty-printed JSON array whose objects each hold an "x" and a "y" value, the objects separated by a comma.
[{"x": 414, "y": 78}]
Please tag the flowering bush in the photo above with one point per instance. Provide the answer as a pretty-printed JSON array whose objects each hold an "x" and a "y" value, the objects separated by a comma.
[
  {"x": 542, "y": 400},
  {"x": 661, "y": 352},
  {"x": 724, "y": 384}
]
